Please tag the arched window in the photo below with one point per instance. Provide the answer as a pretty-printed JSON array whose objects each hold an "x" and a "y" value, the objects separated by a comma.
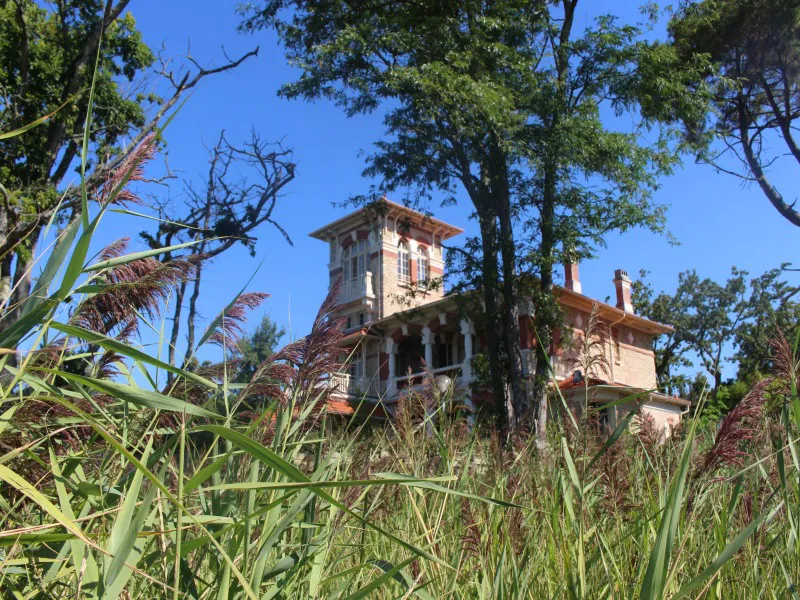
[
  {"x": 423, "y": 267},
  {"x": 403, "y": 267}
]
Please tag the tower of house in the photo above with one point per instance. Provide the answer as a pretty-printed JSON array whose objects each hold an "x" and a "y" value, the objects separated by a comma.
[{"x": 389, "y": 258}]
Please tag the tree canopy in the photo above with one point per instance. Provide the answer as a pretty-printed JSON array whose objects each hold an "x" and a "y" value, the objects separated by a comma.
[
  {"x": 718, "y": 324},
  {"x": 258, "y": 347},
  {"x": 502, "y": 101},
  {"x": 54, "y": 58},
  {"x": 754, "y": 46}
]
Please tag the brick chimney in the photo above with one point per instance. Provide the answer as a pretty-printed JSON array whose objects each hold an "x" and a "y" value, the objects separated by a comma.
[
  {"x": 623, "y": 285},
  {"x": 572, "y": 280}
]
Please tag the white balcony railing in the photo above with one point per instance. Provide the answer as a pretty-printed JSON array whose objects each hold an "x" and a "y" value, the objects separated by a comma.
[
  {"x": 358, "y": 287},
  {"x": 417, "y": 379},
  {"x": 357, "y": 387}
]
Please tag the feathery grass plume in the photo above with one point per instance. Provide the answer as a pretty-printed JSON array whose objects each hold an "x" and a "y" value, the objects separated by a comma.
[
  {"x": 133, "y": 164},
  {"x": 785, "y": 365},
  {"x": 317, "y": 354},
  {"x": 408, "y": 414},
  {"x": 140, "y": 286},
  {"x": 614, "y": 466},
  {"x": 740, "y": 426},
  {"x": 50, "y": 355},
  {"x": 230, "y": 330},
  {"x": 471, "y": 537},
  {"x": 270, "y": 381},
  {"x": 301, "y": 368},
  {"x": 648, "y": 432},
  {"x": 106, "y": 365},
  {"x": 591, "y": 356}
]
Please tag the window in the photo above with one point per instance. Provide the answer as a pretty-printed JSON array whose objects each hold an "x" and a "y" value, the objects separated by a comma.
[
  {"x": 349, "y": 324},
  {"x": 356, "y": 367},
  {"x": 423, "y": 267},
  {"x": 403, "y": 268},
  {"x": 443, "y": 355},
  {"x": 361, "y": 318},
  {"x": 354, "y": 260}
]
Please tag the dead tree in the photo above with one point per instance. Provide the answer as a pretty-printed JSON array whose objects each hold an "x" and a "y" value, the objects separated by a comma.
[{"x": 240, "y": 193}]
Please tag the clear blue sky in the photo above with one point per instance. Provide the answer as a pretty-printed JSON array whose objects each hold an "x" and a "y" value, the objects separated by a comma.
[{"x": 718, "y": 222}]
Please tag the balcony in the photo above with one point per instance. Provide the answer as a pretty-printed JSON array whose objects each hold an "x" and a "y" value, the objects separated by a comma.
[
  {"x": 345, "y": 385},
  {"x": 358, "y": 288}
]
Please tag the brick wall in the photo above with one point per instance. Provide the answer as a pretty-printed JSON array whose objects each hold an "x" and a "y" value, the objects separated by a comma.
[
  {"x": 628, "y": 353},
  {"x": 396, "y": 295}
]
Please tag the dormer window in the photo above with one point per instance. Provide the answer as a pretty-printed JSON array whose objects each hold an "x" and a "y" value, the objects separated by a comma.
[
  {"x": 423, "y": 266},
  {"x": 403, "y": 262}
]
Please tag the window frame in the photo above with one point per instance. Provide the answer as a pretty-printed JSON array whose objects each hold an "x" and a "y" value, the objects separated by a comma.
[
  {"x": 403, "y": 262},
  {"x": 423, "y": 266}
]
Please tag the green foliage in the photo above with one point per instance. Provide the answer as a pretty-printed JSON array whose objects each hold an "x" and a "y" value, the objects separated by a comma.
[
  {"x": 709, "y": 318},
  {"x": 772, "y": 311},
  {"x": 755, "y": 55},
  {"x": 503, "y": 101},
  {"x": 258, "y": 347},
  {"x": 716, "y": 312},
  {"x": 43, "y": 63},
  {"x": 727, "y": 396}
]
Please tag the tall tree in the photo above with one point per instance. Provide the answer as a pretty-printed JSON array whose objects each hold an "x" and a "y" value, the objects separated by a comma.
[
  {"x": 773, "y": 310},
  {"x": 754, "y": 47},
  {"x": 258, "y": 347},
  {"x": 500, "y": 100},
  {"x": 581, "y": 176},
  {"x": 49, "y": 59},
  {"x": 717, "y": 310},
  {"x": 449, "y": 71}
]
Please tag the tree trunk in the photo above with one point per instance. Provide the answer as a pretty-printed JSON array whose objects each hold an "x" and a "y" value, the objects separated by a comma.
[
  {"x": 770, "y": 191},
  {"x": 6, "y": 284},
  {"x": 717, "y": 381},
  {"x": 545, "y": 306},
  {"x": 23, "y": 279},
  {"x": 488, "y": 226},
  {"x": 545, "y": 309},
  {"x": 192, "y": 318},
  {"x": 510, "y": 312},
  {"x": 176, "y": 326}
]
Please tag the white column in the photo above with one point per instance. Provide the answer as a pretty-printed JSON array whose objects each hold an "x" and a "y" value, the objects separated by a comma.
[
  {"x": 427, "y": 341},
  {"x": 467, "y": 330},
  {"x": 364, "y": 382},
  {"x": 391, "y": 384}
]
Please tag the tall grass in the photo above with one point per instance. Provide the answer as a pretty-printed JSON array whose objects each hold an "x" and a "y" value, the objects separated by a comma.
[{"x": 116, "y": 485}]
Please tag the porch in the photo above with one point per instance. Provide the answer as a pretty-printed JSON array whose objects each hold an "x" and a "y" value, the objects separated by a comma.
[{"x": 382, "y": 368}]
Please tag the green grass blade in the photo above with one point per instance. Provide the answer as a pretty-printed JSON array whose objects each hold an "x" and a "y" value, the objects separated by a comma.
[
  {"x": 53, "y": 265},
  {"x": 134, "y": 395},
  {"x": 274, "y": 461},
  {"x": 126, "y": 350},
  {"x": 729, "y": 551}
]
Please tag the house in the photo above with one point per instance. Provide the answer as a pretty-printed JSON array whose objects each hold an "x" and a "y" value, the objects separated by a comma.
[{"x": 400, "y": 325}]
